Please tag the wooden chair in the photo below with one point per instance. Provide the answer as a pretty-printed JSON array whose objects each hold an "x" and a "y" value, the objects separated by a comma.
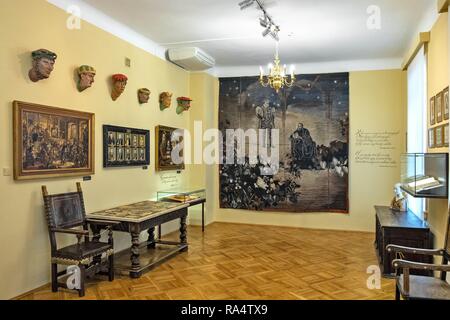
[
  {"x": 66, "y": 214},
  {"x": 412, "y": 287}
]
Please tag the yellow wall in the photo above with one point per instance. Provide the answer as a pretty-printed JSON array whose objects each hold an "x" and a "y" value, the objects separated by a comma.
[
  {"x": 204, "y": 93},
  {"x": 377, "y": 103},
  {"x": 438, "y": 80},
  {"x": 32, "y": 24}
]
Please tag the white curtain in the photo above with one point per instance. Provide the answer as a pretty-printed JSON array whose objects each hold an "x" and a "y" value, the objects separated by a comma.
[{"x": 417, "y": 118}]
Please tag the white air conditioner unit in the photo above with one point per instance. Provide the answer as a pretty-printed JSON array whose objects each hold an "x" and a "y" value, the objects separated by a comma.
[{"x": 192, "y": 59}]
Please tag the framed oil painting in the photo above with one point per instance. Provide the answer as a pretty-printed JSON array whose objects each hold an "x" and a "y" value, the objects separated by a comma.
[
  {"x": 439, "y": 136},
  {"x": 446, "y": 137},
  {"x": 446, "y": 106},
  {"x": 125, "y": 147},
  {"x": 169, "y": 148},
  {"x": 439, "y": 108},
  {"x": 52, "y": 142},
  {"x": 309, "y": 125},
  {"x": 432, "y": 111},
  {"x": 431, "y": 139}
]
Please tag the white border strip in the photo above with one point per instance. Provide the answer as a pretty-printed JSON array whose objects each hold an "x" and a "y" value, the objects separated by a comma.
[
  {"x": 110, "y": 25},
  {"x": 316, "y": 67}
]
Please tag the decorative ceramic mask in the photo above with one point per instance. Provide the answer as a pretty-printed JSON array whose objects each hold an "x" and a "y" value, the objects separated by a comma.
[
  {"x": 184, "y": 103},
  {"x": 119, "y": 84},
  {"x": 86, "y": 76},
  {"x": 43, "y": 64},
  {"x": 143, "y": 95},
  {"x": 165, "y": 100}
]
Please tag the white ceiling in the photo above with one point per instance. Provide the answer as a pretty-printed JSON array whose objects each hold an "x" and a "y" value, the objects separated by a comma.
[{"x": 311, "y": 30}]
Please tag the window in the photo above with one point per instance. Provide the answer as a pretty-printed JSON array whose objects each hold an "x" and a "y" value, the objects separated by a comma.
[{"x": 417, "y": 116}]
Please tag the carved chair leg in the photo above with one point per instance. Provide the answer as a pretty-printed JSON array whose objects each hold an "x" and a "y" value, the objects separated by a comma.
[
  {"x": 81, "y": 292},
  {"x": 54, "y": 277},
  {"x": 111, "y": 268}
]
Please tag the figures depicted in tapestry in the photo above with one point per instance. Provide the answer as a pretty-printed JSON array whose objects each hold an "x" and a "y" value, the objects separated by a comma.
[
  {"x": 42, "y": 65},
  {"x": 165, "y": 100},
  {"x": 311, "y": 123},
  {"x": 86, "y": 75},
  {"x": 143, "y": 95},
  {"x": 119, "y": 84},
  {"x": 266, "y": 122},
  {"x": 54, "y": 142}
]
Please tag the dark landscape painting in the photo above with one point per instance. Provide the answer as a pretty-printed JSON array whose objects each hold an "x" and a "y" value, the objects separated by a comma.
[{"x": 312, "y": 119}]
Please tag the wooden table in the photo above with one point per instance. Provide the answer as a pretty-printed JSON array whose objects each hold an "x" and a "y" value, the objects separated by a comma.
[
  {"x": 403, "y": 229},
  {"x": 190, "y": 203},
  {"x": 134, "y": 219}
]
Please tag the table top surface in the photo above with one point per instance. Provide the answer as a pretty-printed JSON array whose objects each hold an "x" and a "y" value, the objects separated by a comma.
[
  {"x": 137, "y": 212},
  {"x": 394, "y": 219}
]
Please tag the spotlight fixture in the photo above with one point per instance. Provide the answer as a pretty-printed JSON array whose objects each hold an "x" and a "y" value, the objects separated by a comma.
[
  {"x": 266, "y": 31},
  {"x": 264, "y": 22},
  {"x": 246, "y": 4}
]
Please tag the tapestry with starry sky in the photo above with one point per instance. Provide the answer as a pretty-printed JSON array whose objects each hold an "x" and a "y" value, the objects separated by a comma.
[{"x": 312, "y": 119}]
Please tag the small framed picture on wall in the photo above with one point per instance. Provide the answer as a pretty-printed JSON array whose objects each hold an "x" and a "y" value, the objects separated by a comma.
[
  {"x": 439, "y": 108},
  {"x": 431, "y": 139},
  {"x": 446, "y": 135},
  {"x": 446, "y": 107},
  {"x": 439, "y": 136},
  {"x": 432, "y": 111}
]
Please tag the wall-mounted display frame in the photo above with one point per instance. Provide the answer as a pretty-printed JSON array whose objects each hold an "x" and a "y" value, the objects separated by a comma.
[
  {"x": 446, "y": 135},
  {"x": 52, "y": 142},
  {"x": 167, "y": 140},
  {"x": 432, "y": 111},
  {"x": 431, "y": 138},
  {"x": 439, "y": 136},
  {"x": 125, "y": 147},
  {"x": 439, "y": 108},
  {"x": 445, "y": 103}
]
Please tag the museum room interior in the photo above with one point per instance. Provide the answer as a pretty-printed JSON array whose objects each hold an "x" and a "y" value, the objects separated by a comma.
[{"x": 224, "y": 150}]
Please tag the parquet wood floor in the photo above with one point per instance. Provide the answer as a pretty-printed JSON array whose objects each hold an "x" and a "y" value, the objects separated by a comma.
[{"x": 240, "y": 262}]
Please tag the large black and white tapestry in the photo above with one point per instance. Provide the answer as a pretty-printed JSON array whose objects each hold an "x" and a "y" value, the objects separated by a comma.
[{"x": 312, "y": 121}]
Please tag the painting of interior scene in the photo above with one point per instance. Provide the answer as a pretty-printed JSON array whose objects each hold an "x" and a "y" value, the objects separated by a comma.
[
  {"x": 169, "y": 140},
  {"x": 312, "y": 119},
  {"x": 54, "y": 142}
]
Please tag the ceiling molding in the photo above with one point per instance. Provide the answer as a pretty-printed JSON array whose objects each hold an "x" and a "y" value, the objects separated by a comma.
[
  {"x": 427, "y": 22},
  {"x": 112, "y": 26},
  {"x": 443, "y": 6},
  {"x": 423, "y": 39},
  {"x": 313, "y": 68}
]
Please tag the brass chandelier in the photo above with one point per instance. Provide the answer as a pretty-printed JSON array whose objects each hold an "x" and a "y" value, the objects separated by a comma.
[{"x": 277, "y": 77}]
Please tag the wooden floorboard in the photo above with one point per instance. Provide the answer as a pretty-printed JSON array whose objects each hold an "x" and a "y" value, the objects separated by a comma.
[{"x": 240, "y": 262}]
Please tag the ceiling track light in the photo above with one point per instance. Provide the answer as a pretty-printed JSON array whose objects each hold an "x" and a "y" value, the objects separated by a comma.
[
  {"x": 265, "y": 21},
  {"x": 246, "y": 4}
]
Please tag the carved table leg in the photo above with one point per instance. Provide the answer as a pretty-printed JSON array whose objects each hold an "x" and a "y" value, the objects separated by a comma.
[
  {"x": 151, "y": 238},
  {"x": 183, "y": 232},
  {"x": 135, "y": 262}
]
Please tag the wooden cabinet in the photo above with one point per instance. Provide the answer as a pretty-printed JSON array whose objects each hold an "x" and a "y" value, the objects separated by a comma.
[{"x": 400, "y": 228}]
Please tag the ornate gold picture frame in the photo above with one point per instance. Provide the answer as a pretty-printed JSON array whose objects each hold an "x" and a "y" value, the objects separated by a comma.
[
  {"x": 167, "y": 140},
  {"x": 52, "y": 142}
]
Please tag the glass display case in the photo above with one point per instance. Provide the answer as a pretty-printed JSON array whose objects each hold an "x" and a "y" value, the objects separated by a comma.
[
  {"x": 183, "y": 195},
  {"x": 425, "y": 175},
  {"x": 191, "y": 196}
]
